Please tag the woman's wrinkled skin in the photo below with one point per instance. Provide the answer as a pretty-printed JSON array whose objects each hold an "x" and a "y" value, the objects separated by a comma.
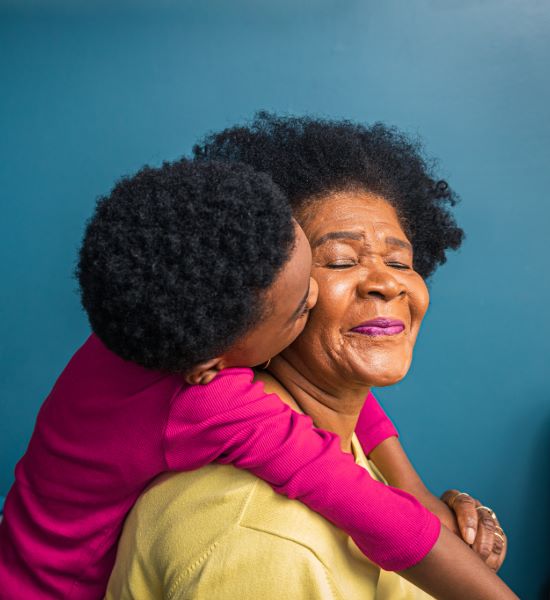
[
  {"x": 490, "y": 541},
  {"x": 363, "y": 261},
  {"x": 363, "y": 264}
]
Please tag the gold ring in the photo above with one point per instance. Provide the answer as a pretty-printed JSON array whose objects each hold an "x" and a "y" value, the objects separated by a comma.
[
  {"x": 499, "y": 530},
  {"x": 453, "y": 499},
  {"x": 500, "y": 537},
  {"x": 489, "y": 510}
]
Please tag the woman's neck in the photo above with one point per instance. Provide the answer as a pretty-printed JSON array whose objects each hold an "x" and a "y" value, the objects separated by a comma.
[{"x": 335, "y": 410}]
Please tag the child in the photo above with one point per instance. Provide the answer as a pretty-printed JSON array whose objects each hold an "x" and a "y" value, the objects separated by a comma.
[{"x": 189, "y": 273}]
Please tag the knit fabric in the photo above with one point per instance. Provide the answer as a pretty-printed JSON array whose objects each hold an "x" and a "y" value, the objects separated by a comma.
[
  {"x": 224, "y": 534},
  {"x": 109, "y": 427}
]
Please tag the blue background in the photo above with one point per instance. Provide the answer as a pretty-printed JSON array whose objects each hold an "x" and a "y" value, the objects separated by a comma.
[{"x": 91, "y": 91}]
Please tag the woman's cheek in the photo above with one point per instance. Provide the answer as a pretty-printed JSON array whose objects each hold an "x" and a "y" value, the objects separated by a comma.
[
  {"x": 333, "y": 291},
  {"x": 421, "y": 298}
]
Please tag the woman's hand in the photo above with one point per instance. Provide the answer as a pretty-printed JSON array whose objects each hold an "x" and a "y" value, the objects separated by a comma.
[{"x": 479, "y": 527}]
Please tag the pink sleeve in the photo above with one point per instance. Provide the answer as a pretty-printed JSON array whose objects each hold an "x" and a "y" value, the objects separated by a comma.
[
  {"x": 373, "y": 426},
  {"x": 232, "y": 420}
]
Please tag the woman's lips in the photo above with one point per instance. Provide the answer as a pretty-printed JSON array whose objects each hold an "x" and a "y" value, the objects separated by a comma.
[{"x": 380, "y": 326}]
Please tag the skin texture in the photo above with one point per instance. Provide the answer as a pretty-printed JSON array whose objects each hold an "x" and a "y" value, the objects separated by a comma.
[
  {"x": 489, "y": 540},
  {"x": 288, "y": 302},
  {"x": 362, "y": 262}
]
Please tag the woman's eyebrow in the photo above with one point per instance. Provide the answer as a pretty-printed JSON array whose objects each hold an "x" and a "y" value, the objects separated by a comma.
[
  {"x": 393, "y": 241},
  {"x": 356, "y": 236},
  {"x": 338, "y": 235}
]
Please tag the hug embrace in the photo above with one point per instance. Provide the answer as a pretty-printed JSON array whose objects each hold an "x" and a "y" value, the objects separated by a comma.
[{"x": 243, "y": 303}]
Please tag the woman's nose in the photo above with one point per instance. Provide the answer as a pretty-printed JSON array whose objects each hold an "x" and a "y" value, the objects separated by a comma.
[{"x": 382, "y": 283}]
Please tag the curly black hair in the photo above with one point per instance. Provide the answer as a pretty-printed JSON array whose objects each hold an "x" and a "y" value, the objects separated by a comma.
[
  {"x": 175, "y": 262},
  {"x": 310, "y": 158}
]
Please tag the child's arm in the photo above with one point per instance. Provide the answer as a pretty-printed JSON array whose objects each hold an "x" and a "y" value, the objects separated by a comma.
[
  {"x": 378, "y": 438},
  {"x": 451, "y": 571},
  {"x": 374, "y": 426},
  {"x": 394, "y": 464},
  {"x": 233, "y": 420}
]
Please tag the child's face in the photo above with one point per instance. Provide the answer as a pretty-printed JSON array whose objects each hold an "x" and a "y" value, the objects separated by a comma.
[{"x": 288, "y": 302}]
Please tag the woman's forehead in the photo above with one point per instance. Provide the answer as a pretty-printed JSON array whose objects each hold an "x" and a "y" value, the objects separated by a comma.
[{"x": 356, "y": 214}]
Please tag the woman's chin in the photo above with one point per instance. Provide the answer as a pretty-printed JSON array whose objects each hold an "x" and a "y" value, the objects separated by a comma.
[
  {"x": 384, "y": 381},
  {"x": 385, "y": 375}
]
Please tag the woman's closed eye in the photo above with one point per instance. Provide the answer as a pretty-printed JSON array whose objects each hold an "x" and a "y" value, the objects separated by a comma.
[
  {"x": 349, "y": 263},
  {"x": 399, "y": 265},
  {"x": 344, "y": 263}
]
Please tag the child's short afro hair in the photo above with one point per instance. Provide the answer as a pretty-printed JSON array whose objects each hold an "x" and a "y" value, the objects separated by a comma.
[
  {"x": 310, "y": 158},
  {"x": 174, "y": 262}
]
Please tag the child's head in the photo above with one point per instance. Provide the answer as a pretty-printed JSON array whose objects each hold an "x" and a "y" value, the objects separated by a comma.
[{"x": 195, "y": 266}]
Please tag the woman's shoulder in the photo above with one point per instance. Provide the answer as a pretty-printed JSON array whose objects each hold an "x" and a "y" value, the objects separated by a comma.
[
  {"x": 215, "y": 502},
  {"x": 175, "y": 524},
  {"x": 189, "y": 527}
]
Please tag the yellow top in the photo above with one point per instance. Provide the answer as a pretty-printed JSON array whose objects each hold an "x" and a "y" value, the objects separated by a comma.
[{"x": 219, "y": 533}]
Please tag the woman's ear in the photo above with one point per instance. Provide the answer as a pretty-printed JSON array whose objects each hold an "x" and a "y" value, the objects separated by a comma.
[{"x": 204, "y": 372}]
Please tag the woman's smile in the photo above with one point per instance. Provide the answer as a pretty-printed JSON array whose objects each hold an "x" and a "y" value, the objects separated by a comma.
[{"x": 380, "y": 326}]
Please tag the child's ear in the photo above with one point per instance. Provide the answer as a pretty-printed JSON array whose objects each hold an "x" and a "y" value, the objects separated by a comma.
[{"x": 204, "y": 372}]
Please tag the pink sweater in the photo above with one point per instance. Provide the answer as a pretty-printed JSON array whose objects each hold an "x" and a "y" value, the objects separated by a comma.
[{"x": 109, "y": 427}]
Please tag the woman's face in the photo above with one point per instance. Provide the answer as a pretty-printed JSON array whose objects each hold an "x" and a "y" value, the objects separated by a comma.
[{"x": 371, "y": 302}]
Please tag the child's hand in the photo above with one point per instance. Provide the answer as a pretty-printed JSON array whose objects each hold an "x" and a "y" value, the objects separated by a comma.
[{"x": 479, "y": 527}]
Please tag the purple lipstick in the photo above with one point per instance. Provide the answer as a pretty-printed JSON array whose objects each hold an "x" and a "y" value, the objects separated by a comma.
[{"x": 380, "y": 326}]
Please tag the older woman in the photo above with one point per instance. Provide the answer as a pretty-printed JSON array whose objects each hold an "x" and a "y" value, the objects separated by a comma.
[{"x": 377, "y": 226}]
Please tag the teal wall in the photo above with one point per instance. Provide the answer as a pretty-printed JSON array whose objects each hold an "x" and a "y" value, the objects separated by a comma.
[{"x": 88, "y": 94}]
